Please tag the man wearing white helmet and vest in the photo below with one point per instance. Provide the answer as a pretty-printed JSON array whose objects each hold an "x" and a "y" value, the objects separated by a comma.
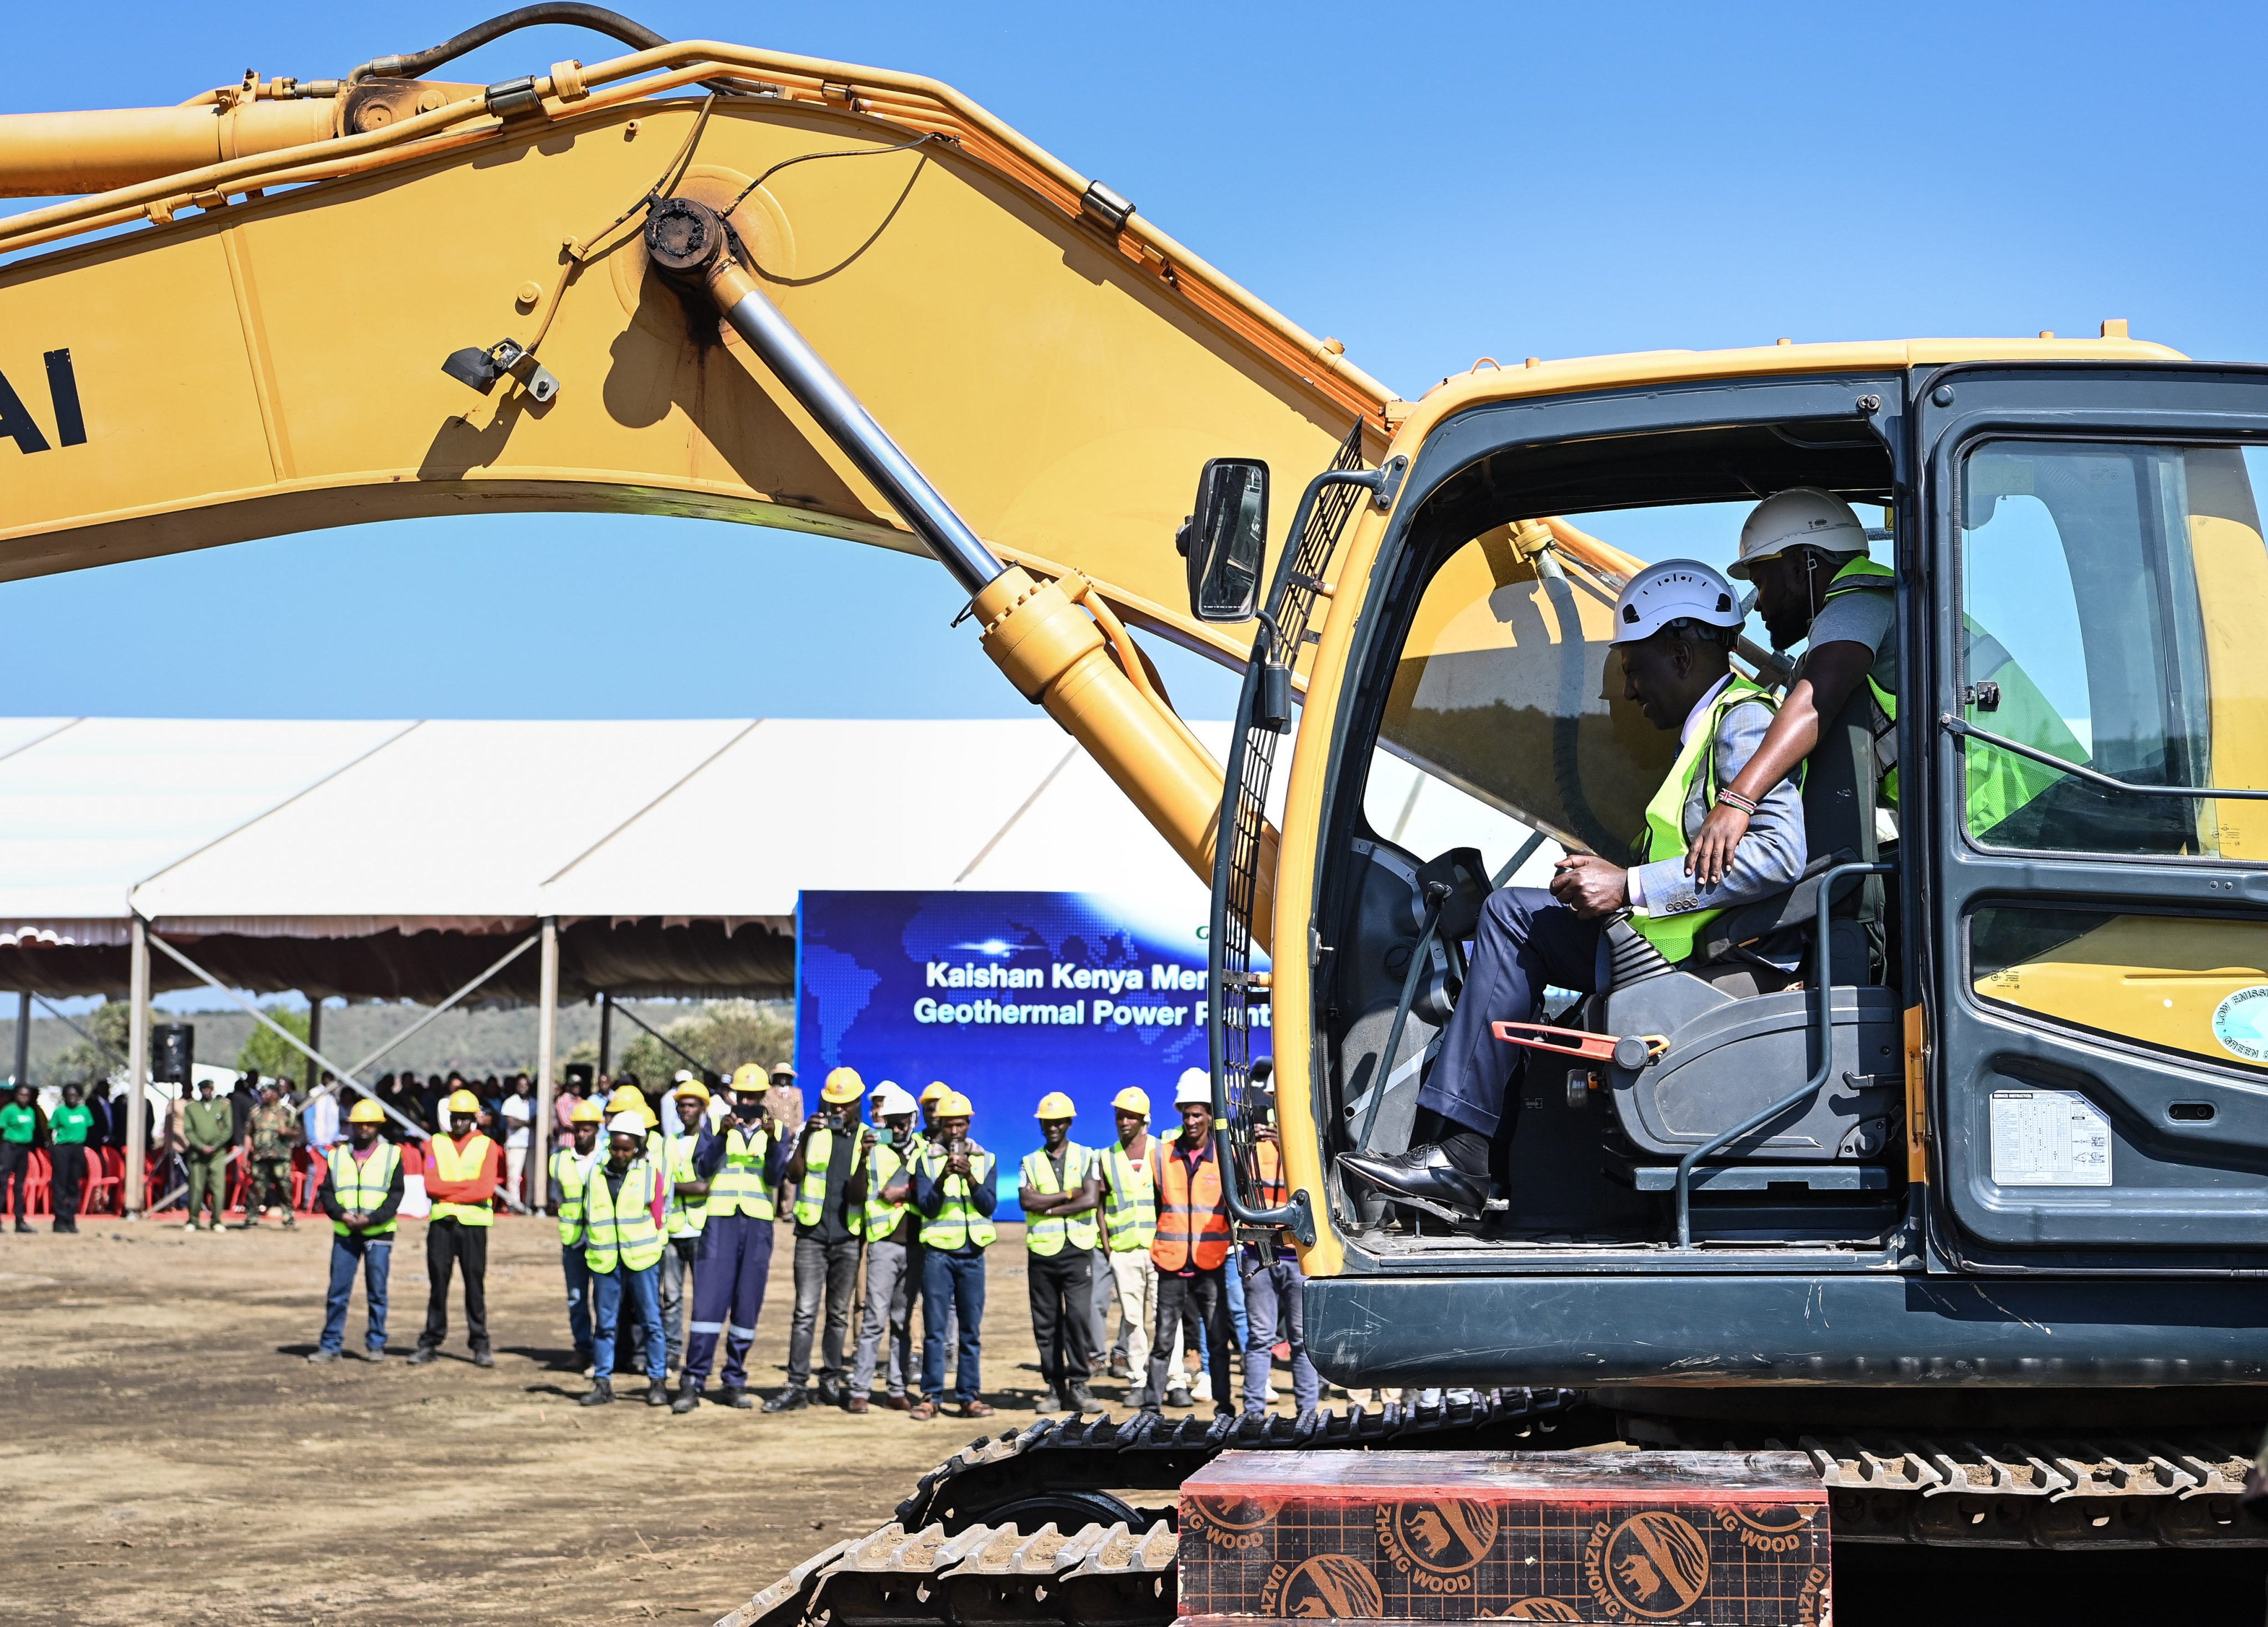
[
  {"x": 1191, "y": 1249},
  {"x": 742, "y": 1167},
  {"x": 570, "y": 1172},
  {"x": 828, "y": 1227},
  {"x": 464, "y": 1170},
  {"x": 954, "y": 1192},
  {"x": 884, "y": 1189},
  {"x": 1061, "y": 1190},
  {"x": 1130, "y": 1225},
  {"x": 1675, "y": 624},
  {"x": 362, "y": 1189},
  {"x": 1807, "y": 554},
  {"x": 623, "y": 1247}
]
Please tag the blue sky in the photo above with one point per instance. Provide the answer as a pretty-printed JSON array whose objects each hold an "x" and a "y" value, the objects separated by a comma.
[{"x": 1429, "y": 183}]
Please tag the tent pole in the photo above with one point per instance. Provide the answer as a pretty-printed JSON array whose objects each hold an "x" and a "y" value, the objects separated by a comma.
[
  {"x": 315, "y": 1042},
  {"x": 546, "y": 1026},
  {"x": 606, "y": 1033},
  {"x": 138, "y": 1068},
  {"x": 23, "y": 1037}
]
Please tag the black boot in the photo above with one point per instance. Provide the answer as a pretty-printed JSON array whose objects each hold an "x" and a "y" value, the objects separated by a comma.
[
  {"x": 601, "y": 1392},
  {"x": 788, "y": 1400},
  {"x": 1082, "y": 1400},
  {"x": 657, "y": 1393},
  {"x": 422, "y": 1354},
  {"x": 688, "y": 1396},
  {"x": 732, "y": 1395}
]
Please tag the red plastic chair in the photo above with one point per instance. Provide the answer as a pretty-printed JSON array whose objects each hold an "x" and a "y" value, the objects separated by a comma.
[
  {"x": 37, "y": 1196},
  {"x": 104, "y": 1178}
]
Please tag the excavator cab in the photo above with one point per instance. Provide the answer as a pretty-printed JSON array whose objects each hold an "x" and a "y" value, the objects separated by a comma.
[
  {"x": 1773, "y": 1094},
  {"x": 1489, "y": 697}
]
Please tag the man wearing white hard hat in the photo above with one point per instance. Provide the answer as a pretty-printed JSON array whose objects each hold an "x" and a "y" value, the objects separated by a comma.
[
  {"x": 1192, "y": 1246},
  {"x": 884, "y": 1189},
  {"x": 1675, "y": 624},
  {"x": 1129, "y": 1224}
]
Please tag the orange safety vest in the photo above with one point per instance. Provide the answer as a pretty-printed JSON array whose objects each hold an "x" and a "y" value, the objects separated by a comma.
[
  {"x": 1269, "y": 1159},
  {"x": 1192, "y": 1220}
]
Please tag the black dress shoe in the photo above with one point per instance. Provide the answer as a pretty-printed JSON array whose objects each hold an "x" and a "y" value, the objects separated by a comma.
[
  {"x": 1422, "y": 1176},
  {"x": 788, "y": 1400}
]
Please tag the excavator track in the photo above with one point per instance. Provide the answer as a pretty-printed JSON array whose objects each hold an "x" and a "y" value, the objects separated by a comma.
[{"x": 1066, "y": 1469}]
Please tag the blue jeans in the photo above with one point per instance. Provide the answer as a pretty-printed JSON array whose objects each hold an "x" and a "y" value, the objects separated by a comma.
[
  {"x": 1278, "y": 1295},
  {"x": 951, "y": 1283},
  {"x": 373, "y": 1256},
  {"x": 643, "y": 1289},
  {"x": 579, "y": 1295}
]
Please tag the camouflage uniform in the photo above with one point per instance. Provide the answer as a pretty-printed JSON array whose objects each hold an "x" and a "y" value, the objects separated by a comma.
[{"x": 271, "y": 1132}]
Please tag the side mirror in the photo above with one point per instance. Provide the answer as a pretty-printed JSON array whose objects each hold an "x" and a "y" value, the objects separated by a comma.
[{"x": 1225, "y": 539}]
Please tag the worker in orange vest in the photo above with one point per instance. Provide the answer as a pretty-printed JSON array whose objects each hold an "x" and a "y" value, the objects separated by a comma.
[
  {"x": 464, "y": 1170},
  {"x": 1192, "y": 1248}
]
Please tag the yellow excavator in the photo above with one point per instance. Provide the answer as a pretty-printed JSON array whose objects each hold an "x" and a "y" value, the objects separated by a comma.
[{"x": 1968, "y": 1212}]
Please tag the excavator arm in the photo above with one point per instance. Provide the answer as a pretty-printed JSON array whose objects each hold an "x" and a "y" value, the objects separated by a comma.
[{"x": 293, "y": 304}]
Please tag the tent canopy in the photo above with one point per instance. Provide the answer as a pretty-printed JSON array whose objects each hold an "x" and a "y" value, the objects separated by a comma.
[{"x": 396, "y": 860}]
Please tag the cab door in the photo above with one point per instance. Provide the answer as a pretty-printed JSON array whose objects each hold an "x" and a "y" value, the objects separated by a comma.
[{"x": 2091, "y": 642}]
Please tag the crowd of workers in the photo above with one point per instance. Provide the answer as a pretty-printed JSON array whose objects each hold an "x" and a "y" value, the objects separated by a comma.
[{"x": 667, "y": 1211}]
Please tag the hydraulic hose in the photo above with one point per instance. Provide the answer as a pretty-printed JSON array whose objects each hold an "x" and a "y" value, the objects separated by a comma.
[{"x": 559, "y": 13}]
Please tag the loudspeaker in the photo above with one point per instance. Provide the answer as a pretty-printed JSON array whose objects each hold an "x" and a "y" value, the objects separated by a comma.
[{"x": 173, "y": 1049}]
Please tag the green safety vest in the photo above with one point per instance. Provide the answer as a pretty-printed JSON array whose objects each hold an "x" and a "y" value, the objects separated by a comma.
[
  {"x": 452, "y": 1163},
  {"x": 811, "y": 1197},
  {"x": 1665, "y": 818},
  {"x": 1999, "y": 781},
  {"x": 621, "y": 1226},
  {"x": 683, "y": 1220},
  {"x": 739, "y": 1188},
  {"x": 957, "y": 1220},
  {"x": 363, "y": 1183},
  {"x": 565, "y": 1170},
  {"x": 882, "y": 1167},
  {"x": 1046, "y": 1234},
  {"x": 1130, "y": 1213}
]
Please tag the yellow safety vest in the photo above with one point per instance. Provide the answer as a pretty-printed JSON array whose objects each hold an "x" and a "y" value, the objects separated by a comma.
[
  {"x": 363, "y": 1183},
  {"x": 739, "y": 1187},
  {"x": 957, "y": 1220},
  {"x": 567, "y": 1169},
  {"x": 621, "y": 1226},
  {"x": 883, "y": 1166},
  {"x": 811, "y": 1197},
  {"x": 1665, "y": 818},
  {"x": 452, "y": 1164},
  {"x": 1046, "y": 1234},
  {"x": 684, "y": 1219},
  {"x": 1129, "y": 1215}
]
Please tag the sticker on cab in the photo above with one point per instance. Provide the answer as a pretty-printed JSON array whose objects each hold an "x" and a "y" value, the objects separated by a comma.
[
  {"x": 2049, "y": 1137},
  {"x": 2241, "y": 1023}
]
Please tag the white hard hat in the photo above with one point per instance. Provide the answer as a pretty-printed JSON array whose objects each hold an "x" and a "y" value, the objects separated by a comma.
[
  {"x": 682, "y": 1075},
  {"x": 892, "y": 1100},
  {"x": 1194, "y": 1090},
  {"x": 1676, "y": 590},
  {"x": 626, "y": 1124},
  {"x": 1803, "y": 516}
]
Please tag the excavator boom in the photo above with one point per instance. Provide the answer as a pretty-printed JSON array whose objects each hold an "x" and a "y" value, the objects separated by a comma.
[{"x": 261, "y": 349}]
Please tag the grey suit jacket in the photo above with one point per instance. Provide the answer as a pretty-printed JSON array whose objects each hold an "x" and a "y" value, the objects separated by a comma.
[{"x": 1770, "y": 856}]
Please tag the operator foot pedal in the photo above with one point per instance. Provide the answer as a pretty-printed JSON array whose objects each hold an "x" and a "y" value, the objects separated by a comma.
[{"x": 1456, "y": 1219}]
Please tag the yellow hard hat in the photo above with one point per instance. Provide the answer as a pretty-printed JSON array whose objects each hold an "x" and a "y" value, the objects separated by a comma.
[
  {"x": 1055, "y": 1105},
  {"x": 952, "y": 1104},
  {"x": 463, "y": 1101},
  {"x": 365, "y": 1112},
  {"x": 691, "y": 1088},
  {"x": 748, "y": 1076},
  {"x": 626, "y": 1099},
  {"x": 843, "y": 1085},
  {"x": 935, "y": 1088},
  {"x": 586, "y": 1112},
  {"x": 1133, "y": 1100}
]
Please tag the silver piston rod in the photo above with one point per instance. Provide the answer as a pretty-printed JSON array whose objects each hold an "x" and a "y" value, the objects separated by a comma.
[{"x": 691, "y": 243}]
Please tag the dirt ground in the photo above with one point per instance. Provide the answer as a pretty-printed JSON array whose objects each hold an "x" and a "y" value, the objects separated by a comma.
[{"x": 169, "y": 1456}]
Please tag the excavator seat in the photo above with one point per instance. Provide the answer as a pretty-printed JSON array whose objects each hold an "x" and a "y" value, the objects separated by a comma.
[{"x": 1740, "y": 1031}]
